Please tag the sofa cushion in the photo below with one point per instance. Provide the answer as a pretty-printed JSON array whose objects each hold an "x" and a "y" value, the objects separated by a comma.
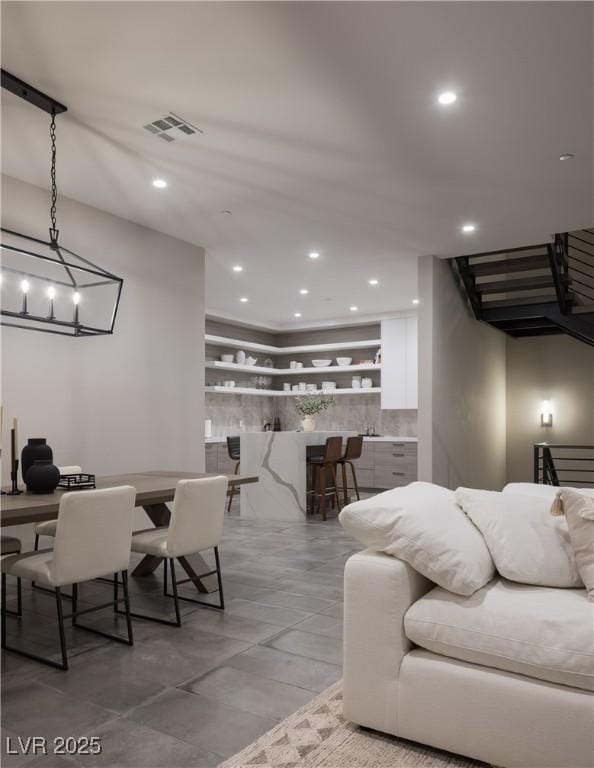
[
  {"x": 546, "y": 491},
  {"x": 540, "y": 632},
  {"x": 422, "y": 525},
  {"x": 579, "y": 514},
  {"x": 526, "y": 542}
]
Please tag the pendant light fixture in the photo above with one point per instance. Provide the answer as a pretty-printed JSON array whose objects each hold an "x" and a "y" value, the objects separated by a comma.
[{"x": 45, "y": 286}]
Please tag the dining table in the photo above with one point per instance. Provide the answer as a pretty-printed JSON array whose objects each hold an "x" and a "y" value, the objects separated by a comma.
[{"x": 153, "y": 490}]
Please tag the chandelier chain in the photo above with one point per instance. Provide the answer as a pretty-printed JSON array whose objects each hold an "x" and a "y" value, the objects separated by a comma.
[{"x": 53, "y": 172}]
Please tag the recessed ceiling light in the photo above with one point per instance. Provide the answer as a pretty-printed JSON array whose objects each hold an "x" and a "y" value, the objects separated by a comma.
[
  {"x": 353, "y": 309},
  {"x": 227, "y": 212},
  {"x": 297, "y": 314},
  {"x": 468, "y": 228},
  {"x": 243, "y": 299},
  {"x": 159, "y": 183},
  {"x": 237, "y": 268},
  {"x": 567, "y": 156},
  {"x": 447, "y": 97},
  {"x": 304, "y": 291},
  {"x": 415, "y": 301},
  {"x": 314, "y": 255},
  {"x": 373, "y": 281}
]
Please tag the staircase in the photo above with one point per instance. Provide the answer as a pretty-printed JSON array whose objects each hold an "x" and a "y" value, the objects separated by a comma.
[{"x": 535, "y": 290}]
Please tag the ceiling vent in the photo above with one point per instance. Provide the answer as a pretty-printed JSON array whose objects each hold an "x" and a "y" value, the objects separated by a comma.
[{"x": 172, "y": 127}]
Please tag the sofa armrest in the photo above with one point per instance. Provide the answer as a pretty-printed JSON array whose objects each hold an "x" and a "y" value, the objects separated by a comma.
[{"x": 378, "y": 590}]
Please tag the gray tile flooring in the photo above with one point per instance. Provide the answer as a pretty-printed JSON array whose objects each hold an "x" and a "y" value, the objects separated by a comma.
[{"x": 196, "y": 695}]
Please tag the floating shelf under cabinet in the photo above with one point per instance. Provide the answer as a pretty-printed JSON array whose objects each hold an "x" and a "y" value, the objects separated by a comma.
[
  {"x": 266, "y": 349},
  {"x": 282, "y": 393},
  {"x": 290, "y": 371}
]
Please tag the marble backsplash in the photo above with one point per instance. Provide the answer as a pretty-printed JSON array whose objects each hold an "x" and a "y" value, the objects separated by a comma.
[{"x": 348, "y": 412}]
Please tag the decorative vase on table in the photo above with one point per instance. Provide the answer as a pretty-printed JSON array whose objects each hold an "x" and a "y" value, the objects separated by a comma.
[
  {"x": 36, "y": 449},
  {"x": 42, "y": 477},
  {"x": 308, "y": 423}
]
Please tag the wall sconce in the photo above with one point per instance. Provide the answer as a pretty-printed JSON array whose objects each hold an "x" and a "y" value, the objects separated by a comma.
[{"x": 546, "y": 414}]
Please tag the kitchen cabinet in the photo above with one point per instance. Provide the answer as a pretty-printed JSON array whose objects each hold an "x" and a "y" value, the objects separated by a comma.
[
  {"x": 399, "y": 363},
  {"x": 386, "y": 465}
]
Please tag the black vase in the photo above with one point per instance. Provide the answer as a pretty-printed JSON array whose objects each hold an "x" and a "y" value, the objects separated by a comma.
[
  {"x": 36, "y": 449},
  {"x": 42, "y": 477}
]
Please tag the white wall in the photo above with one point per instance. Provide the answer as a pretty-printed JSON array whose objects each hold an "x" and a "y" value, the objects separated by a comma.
[
  {"x": 462, "y": 383},
  {"x": 555, "y": 368},
  {"x": 122, "y": 403}
]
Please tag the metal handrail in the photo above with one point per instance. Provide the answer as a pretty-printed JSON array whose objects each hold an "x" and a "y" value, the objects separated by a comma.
[{"x": 547, "y": 469}]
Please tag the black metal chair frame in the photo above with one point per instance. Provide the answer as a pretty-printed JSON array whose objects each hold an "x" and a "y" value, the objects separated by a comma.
[
  {"x": 74, "y": 615},
  {"x": 170, "y": 562},
  {"x": 232, "y": 443}
]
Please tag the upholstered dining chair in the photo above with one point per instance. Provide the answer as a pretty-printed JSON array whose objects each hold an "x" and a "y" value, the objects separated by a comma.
[
  {"x": 10, "y": 545},
  {"x": 196, "y": 525},
  {"x": 48, "y": 527},
  {"x": 93, "y": 536}
]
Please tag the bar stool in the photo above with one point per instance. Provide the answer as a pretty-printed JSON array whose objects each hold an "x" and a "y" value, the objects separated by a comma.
[
  {"x": 197, "y": 517},
  {"x": 233, "y": 449},
  {"x": 10, "y": 545},
  {"x": 321, "y": 465},
  {"x": 353, "y": 451},
  {"x": 93, "y": 537}
]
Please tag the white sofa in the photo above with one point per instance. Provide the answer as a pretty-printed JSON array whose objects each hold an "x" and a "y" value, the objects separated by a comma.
[{"x": 505, "y": 675}]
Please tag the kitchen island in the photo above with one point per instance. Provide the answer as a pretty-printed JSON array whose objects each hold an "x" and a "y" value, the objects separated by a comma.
[{"x": 279, "y": 461}]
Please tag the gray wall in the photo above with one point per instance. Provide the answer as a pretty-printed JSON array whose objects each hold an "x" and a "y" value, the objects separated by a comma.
[
  {"x": 121, "y": 403},
  {"x": 555, "y": 368},
  {"x": 462, "y": 382}
]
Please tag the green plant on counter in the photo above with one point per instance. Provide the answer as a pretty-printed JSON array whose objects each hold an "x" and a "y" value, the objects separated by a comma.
[{"x": 311, "y": 405}]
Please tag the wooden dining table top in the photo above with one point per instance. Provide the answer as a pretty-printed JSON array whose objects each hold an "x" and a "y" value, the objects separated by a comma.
[{"x": 155, "y": 487}]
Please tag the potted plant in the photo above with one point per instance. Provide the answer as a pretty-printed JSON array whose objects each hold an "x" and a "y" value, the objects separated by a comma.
[{"x": 309, "y": 407}]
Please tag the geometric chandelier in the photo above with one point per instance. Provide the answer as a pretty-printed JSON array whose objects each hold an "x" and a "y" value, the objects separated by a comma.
[{"x": 45, "y": 286}]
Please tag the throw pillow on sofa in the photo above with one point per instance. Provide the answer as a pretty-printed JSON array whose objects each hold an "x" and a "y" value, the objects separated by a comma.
[
  {"x": 546, "y": 491},
  {"x": 527, "y": 544},
  {"x": 579, "y": 514},
  {"x": 422, "y": 525}
]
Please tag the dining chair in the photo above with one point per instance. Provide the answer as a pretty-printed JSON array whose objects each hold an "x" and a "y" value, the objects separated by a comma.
[
  {"x": 93, "y": 536},
  {"x": 10, "y": 545},
  {"x": 234, "y": 451},
  {"x": 353, "y": 451},
  {"x": 196, "y": 525},
  {"x": 326, "y": 463},
  {"x": 48, "y": 527}
]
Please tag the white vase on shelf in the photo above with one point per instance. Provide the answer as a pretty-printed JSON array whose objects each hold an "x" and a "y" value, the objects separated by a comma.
[{"x": 308, "y": 423}]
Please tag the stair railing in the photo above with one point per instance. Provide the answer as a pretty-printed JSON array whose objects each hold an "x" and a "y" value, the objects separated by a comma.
[{"x": 564, "y": 465}]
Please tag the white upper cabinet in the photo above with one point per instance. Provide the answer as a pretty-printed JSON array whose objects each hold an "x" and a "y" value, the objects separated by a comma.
[{"x": 399, "y": 363}]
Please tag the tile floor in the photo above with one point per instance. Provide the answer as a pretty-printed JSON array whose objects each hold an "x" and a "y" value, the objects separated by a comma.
[{"x": 196, "y": 695}]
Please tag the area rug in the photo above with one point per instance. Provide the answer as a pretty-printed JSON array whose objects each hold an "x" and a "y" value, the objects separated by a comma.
[{"x": 317, "y": 736}]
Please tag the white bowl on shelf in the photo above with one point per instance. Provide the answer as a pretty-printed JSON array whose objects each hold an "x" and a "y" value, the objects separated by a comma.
[
  {"x": 227, "y": 358},
  {"x": 343, "y": 361},
  {"x": 321, "y": 363}
]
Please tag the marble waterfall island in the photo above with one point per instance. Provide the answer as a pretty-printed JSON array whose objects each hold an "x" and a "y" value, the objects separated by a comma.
[{"x": 279, "y": 461}]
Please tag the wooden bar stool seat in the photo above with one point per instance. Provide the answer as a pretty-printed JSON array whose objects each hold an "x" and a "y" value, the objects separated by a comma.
[
  {"x": 353, "y": 451},
  {"x": 234, "y": 451},
  {"x": 324, "y": 470}
]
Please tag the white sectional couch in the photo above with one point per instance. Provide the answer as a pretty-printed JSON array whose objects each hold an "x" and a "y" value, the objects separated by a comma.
[{"x": 504, "y": 675}]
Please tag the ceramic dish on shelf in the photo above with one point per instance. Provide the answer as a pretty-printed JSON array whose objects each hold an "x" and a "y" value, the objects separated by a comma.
[
  {"x": 321, "y": 363},
  {"x": 251, "y": 360},
  {"x": 343, "y": 361},
  {"x": 227, "y": 358},
  {"x": 365, "y": 362}
]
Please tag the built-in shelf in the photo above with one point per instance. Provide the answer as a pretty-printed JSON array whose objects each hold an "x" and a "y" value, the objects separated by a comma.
[
  {"x": 282, "y": 393},
  {"x": 266, "y": 349},
  {"x": 219, "y": 365}
]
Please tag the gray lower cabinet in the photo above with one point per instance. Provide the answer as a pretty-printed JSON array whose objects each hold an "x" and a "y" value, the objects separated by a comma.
[
  {"x": 217, "y": 459},
  {"x": 387, "y": 465}
]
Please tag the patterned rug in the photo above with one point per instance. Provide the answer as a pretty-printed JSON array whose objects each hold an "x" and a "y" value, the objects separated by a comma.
[{"x": 317, "y": 736}]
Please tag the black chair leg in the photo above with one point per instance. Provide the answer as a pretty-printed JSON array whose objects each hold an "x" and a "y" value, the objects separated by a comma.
[
  {"x": 3, "y": 601},
  {"x": 217, "y": 570},
  {"x": 165, "y": 567},
  {"x": 115, "y": 602},
  {"x": 175, "y": 595},
  {"x": 61, "y": 629},
  {"x": 219, "y": 578}
]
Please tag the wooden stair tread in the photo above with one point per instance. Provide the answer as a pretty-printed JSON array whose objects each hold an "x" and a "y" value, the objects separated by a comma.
[
  {"x": 519, "y": 284},
  {"x": 519, "y": 264}
]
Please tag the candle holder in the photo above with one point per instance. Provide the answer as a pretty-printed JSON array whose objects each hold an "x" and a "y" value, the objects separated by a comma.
[{"x": 15, "y": 490}]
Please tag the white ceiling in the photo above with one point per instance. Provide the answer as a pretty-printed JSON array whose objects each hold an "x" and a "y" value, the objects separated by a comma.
[{"x": 321, "y": 132}]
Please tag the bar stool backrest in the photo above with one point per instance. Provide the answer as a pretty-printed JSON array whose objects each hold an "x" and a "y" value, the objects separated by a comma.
[
  {"x": 197, "y": 515},
  {"x": 354, "y": 448},
  {"x": 333, "y": 449},
  {"x": 233, "y": 448},
  {"x": 93, "y": 534}
]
